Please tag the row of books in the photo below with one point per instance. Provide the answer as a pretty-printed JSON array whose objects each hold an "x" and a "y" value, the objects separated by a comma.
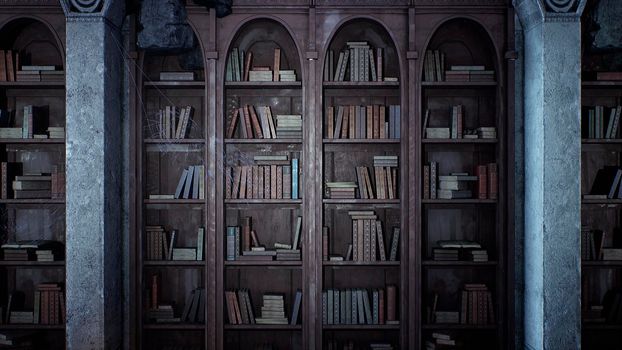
[
  {"x": 363, "y": 122},
  {"x": 358, "y": 60},
  {"x": 457, "y": 185},
  {"x": 35, "y": 125},
  {"x": 457, "y": 129},
  {"x": 273, "y": 177},
  {"x": 30, "y": 186},
  {"x": 368, "y": 242},
  {"x": 594, "y": 245},
  {"x": 260, "y": 124},
  {"x": 385, "y": 179},
  {"x": 356, "y": 306},
  {"x": 240, "y": 308},
  {"x": 174, "y": 122},
  {"x": 606, "y": 184},
  {"x": 38, "y": 250},
  {"x": 191, "y": 185},
  {"x": 160, "y": 245},
  {"x": 459, "y": 250},
  {"x": 599, "y": 124},
  {"x": 48, "y": 306},
  {"x": 160, "y": 312},
  {"x": 243, "y": 243},
  {"x": 434, "y": 70},
  {"x": 351, "y": 345},
  {"x": 476, "y": 307},
  {"x": 434, "y": 65},
  {"x": 12, "y": 70},
  {"x": 240, "y": 68}
]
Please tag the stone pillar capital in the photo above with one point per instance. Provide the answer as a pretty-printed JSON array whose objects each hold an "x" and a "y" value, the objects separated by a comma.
[
  {"x": 111, "y": 11},
  {"x": 533, "y": 12}
]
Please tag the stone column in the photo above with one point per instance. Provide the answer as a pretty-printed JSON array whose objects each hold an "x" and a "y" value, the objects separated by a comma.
[
  {"x": 94, "y": 181},
  {"x": 552, "y": 207}
]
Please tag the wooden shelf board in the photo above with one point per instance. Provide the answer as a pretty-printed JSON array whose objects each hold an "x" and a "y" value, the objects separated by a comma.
[
  {"x": 360, "y": 201},
  {"x": 602, "y": 83},
  {"x": 37, "y": 327},
  {"x": 32, "y": 201},
  {"x": 361, "y": 141},
  {"x": 34, "y": 141},
  {"x": 33, "y": 264},
  {"x": 459, "y": 201},
  {"x": 602, "y": 263},
  {"x": 262, "y": 327},
  {"x": 459, "y": 141},
  {"x": 263, "y": 201},
  {"x": 360, "y": 84},
  {"x": 175, "y": 84},
  {"x": 174, "y": 201},
  {"x": 273, "y": 263},
  {"x": 32, "y": 84},
  {"x": 362, "y": 263},
  {"x": 263, "y": 84},
  {"x": 350, "y": 327},
  {"x": 601, "y": 201},
  {"x": 174, "y": 141},
  {"x": 435, "y": 263},
  {"x": 458, "y": 84},
  {"x": 601, "y": 141},
  {"x": 262, "y": 141},
  {"x": 175, "y": 326},
  {"x": 460, "y": 326},
  {"x": 174, "y": 263}
]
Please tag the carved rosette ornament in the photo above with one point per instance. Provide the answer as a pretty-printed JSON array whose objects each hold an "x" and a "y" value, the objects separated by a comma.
[
  {"x": 77, "y": 7},
  {"x": 560, "y": 6}
]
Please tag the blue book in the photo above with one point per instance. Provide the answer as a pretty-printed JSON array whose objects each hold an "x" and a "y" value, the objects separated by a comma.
[
  {"x": 294, "y": 178},
  {"x": 230, "y": 243}
]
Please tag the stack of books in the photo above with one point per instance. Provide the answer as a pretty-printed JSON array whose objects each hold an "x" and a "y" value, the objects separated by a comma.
[
  {"x": 594, "y": 314},
  {"x": 49, "y": 304},
  {"x": 50, "y": 251},
  {"x": 341, "y": 190},
  {"x": 437, "y": 133},
  {"x": 15, "y": 254},
  {"x": 442, "y": 341},
  {"x": 447, "y": 317},
  {"x": 445, "y": 254},
  {"x": 273, "y": 310},
  {"x": 10, "y": 133},
  {"x": 455, "y": 186},
  {"x": 21, "y": 317},
  {"x": 28, "y": 250},
  {"x": 185, "y": 254},
  {"x": 32, "y": 186},
  {"x": 176, "y": 76},
  {"x": 162, "y": 314},
  {"x": 39, "y": 73},
  {"x": 287, "y": 75},
  {"x": 478, "y": 255},
  {"x": 56, "y": 132},
  {"x": 288, "y": 254},
  {"x": 487, "y": 132},
  {"x": 289, "y": 126},
  {"x": 472, "y": 73},
  {"x": 260, "y": 74},
  {"x": 612, "y": 254}
]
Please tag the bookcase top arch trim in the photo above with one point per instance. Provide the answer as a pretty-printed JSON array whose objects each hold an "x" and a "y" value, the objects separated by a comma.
[{"x": 60, "y": 47}]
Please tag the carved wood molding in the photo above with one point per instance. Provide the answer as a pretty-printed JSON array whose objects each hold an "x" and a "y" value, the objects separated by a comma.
[
  {"x": 28, "y": 2},
  {"x": 461, "y": 2},
  {"x": 82, "y": 6}
]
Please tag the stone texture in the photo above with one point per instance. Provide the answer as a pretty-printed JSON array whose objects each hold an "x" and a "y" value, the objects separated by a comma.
[
  {"x": 607, "y": 17},
  {"x": 552, "y": 95},
  {"x": 93, "y": 213},
  {"x": 164, "y": 26}
]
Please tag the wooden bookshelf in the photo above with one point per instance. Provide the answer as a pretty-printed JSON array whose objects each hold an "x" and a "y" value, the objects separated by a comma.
[
  {"x": 600, "y": 279},
  {"x": 480, "y": 219},
  {"x": 38, "y": 38},
  {"x": 323, "y": 158}
]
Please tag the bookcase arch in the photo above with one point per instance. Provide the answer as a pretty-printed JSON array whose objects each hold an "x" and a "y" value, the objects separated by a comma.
[
  {"x": 380, "y": 34},
  {"x": 28, "y": 34},
  {"x": 254, "y": 34},
  {"x": 486, "y": 49}
]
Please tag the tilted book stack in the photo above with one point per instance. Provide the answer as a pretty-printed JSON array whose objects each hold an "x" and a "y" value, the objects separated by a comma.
[
  {"x": 191, "y": 184},
  {"x": 600, "y": 124}
]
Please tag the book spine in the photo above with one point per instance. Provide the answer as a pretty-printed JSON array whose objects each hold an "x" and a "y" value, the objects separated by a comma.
[
  {"x": 482, "y": 183},
  {"x": 379, "y": 69},
  {"x": 355, "y": 239},
  {"x": 330, "y": 128},
  {"x": 277, "y": 63},
  {"x": 295, "y": 174},
  {"x": 433, "y": 178},
  {"x": 391, "y": 299},
  {"x": 279, "y": 182},
  {"x": 492, "y": 181},
  {"x": 325, "y": 242},
  {"x": 426, "y": 182}
]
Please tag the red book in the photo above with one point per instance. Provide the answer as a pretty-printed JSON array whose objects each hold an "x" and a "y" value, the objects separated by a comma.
[
  {"x": 255, "y": 122},
  {"x": 482, "y": 184},
  {"x": 492, "y": 181},
  {"x": 228, "y": 180},
  {"x": 247, "y": 123},
  {"x": 325, "y": 243},
  {"x": 460, "y": 121},
  {"x": 246, "y": 233},
  {"x": 391, "y": 298},
  {"x": 609, "y": 76},
  {"x": 3, "y": 76},
  {"x": 45, "y": 317},
  {"x": 10, "y": 69},
  {"x": 154, "y": 291},
  {"x": 232, "y": 123}
]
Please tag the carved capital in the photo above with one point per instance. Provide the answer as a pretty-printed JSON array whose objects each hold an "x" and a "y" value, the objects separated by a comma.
[
  {"x": 532, "y": 12},
  {"x": 111, "y": 11},
  {"x": 82, "y": 6},
  {"x": 560, "y": 6}
]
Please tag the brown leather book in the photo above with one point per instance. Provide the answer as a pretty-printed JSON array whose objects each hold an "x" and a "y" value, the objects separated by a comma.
[
  {"x": 247, "y": 64},
  {"x": 380, "y": 239},
  {"x": 345, "y": 123},
  {"x": 355, "y": 240},
  {"x": 267, "y": 180},
  {"x": 370, "y": 190},
  {"x": 492, "y": 181},
  {"x": 268, "y": 113},
  {"x": 391, "y": 306},
  {"x": 482, "y": 183},
  {"x": 325, "y": 252},
  {"x": 361, "y": 183},
  {"x": 44, "y": 308},
  {"x": 277, "y": 63},
  {"x": 352, "y": 122},
  {"x": 247, "y": 123},
  {"x": 237, "y": 175},
  {"x": 255, "y": 170},
  {"x": 330, "y": 122},
  {"x": 230, "y": 309},
  {"x": 249, "y": 181},
  {"x": 273, "y": 182},
  {"x": 10, "y": 68},
  {"x": 236, "y": 307},
  {"x": 260, "y": 184},
  {"x": 383, "y": 118},
  {"x": 279, "y": 182},
  {"x": 370, "y": 122},
  {"x": 255, "y": 121},
  {"x": 3, "y": 76}
]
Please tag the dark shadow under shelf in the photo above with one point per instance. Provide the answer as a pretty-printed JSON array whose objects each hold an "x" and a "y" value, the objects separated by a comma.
[
  {"x": 360, "y": 84},
  {"x": 360, "y": 327},
  {"x": 34, "y": 264},
  {"x": 460, "y": 141},
  {"x": 262, "y": 141},
  {"x": 362, "y": 141},
  {"x": 454, "y": 326},
  {"x": 32, "y": 85},
  {"x": 362, "y": 264},
  {"x": 458, "y": 264},
  {"x": 263, "y": 327},
  {"x": 459, "y": 201},
  {"x": 264, "y": 263},
  {"x": 176, "y": 326},
  {"x": 174, "y": 263},
  {"x": 32, "y": 327},
  {"x": 263, "y": 84},
  {"x": 192, "y": 84}
]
